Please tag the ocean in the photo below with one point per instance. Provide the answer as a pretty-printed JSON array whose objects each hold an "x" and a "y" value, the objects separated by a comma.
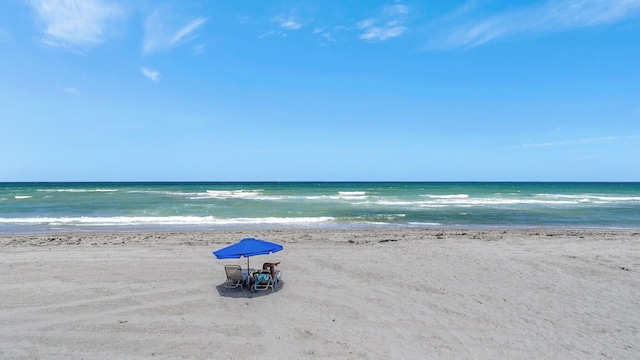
[{"x": 77, "y": 207}]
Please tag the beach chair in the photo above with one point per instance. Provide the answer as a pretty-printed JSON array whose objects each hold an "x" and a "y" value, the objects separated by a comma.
[
  {"x": 234, "y": 276},
  {"x": 278, "y": 278},
  {"x": 262, "y": 281}
]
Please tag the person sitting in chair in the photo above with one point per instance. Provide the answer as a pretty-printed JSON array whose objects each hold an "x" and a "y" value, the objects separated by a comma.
[{"x": 272, "y": 269}]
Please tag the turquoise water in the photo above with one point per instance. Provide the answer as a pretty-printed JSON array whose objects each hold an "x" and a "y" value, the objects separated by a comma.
[{"x": 52, "y": 207}]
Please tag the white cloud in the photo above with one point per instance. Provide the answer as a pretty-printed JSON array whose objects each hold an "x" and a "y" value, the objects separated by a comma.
[
  {"x": 153, "y": 75},
  {"x": 75, "y": 23},
  {"x": 389, "y": 25},
  {"x": 191, "y": 27},
  {"x": 328, "y": 36},
  {"x": 157, "y": 37},
  {"x": 71, "y": 91},
  {"x": 366, "y": 23},
  {"x": 324, "y": 34},
  {"x": 551, "y": 16},
  {"x": 273, "y": 33},
  {"x": 289, "y": 23},
  {"x": 383, "y": 33}
]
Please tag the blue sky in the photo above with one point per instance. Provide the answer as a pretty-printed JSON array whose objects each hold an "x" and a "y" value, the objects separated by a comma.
[{"x": 484, "y": 90}]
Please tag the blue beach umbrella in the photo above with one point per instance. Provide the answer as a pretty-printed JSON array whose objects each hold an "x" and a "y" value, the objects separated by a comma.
[{"x": 246, "y": 248}]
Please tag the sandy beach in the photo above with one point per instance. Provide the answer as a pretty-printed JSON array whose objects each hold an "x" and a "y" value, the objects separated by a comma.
[{"x": 346, "y": 294}]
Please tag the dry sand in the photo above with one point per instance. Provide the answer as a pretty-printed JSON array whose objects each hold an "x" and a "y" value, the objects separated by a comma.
[{"x": 357, "y": 294}]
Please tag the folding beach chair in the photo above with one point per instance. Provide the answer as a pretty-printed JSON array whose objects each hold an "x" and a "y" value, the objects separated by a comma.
[
  {"x": 234, "y": 276},
  {"x": 262, "y": 281}
]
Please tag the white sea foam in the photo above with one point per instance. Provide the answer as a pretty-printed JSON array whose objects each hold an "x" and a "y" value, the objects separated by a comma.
[
  {"x": 340, "y": 196},
  {"x": 420, "y": 224},
  {"x": 275, "y": 221},
  {"x": 22, "y": 197},
  {"x": 352, "y": 193},
  {"x": 230, "y": 194},
  {"x": 596, "y": 198},
  {"x": 400, "y": 203},
  {"x": 455, "y": 196},
  {"x": 160, "y": 220},
  {"x": 160, "y": 192},
  {"x": 354, "y": 197},
  {"x": 392, "y": 216},
  {"x": 470, "y": 202},
  {"x": 78, "y": 190},
  {"x": 257, "y": 195}
]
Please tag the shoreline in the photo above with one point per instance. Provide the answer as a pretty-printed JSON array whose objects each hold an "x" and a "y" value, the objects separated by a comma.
[
  {"x": 290, "y": 236},
  {"x": 262, "y": 232},
  {"x": 363, "y": 294}
]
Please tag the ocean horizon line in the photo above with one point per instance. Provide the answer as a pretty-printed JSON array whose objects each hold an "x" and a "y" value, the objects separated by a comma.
[{"x": 160, "y": 182}]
